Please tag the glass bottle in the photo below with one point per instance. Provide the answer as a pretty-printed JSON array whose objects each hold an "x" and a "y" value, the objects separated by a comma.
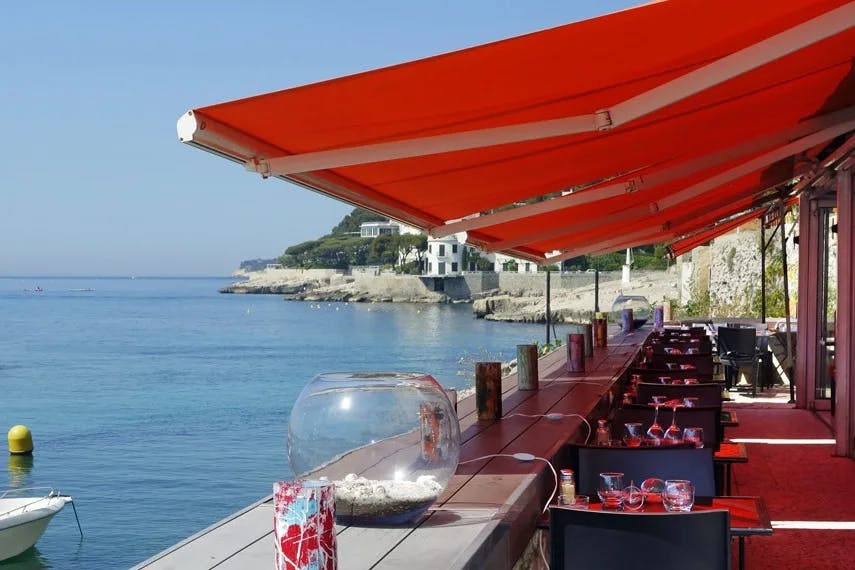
[
  {"x": 603, "y": 436},
  {"x": 567, "y": 487}
]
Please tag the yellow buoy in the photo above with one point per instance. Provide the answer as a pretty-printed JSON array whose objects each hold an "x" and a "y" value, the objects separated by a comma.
[{"x": 20, "y": 440}]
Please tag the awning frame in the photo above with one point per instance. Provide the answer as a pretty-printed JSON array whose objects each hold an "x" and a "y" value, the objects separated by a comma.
[{"x": 646, "y": 181}]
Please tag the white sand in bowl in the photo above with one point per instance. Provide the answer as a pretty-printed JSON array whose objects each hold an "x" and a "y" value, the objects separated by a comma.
[{"x": 378, "y": 498}]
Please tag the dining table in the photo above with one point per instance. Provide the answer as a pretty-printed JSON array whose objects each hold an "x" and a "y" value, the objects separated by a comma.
[
  {"x": 748, "y": 516},
  {"x": 729, "y": 419},
  {"x": 727, "y": 454}
]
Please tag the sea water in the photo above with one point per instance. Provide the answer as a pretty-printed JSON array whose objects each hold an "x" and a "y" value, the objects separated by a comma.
[{"x": 161, "y": 405}]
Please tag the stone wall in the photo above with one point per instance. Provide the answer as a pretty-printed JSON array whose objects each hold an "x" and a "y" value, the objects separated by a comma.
[
  {"x": 734, "y": 273},
  {"x": 390, "y": 286},
  {"x": 728, "y": 270}
]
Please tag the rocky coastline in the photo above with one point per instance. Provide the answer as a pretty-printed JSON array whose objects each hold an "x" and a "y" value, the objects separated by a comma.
[
  {"x": 331, "y": 286},
  {"x": 522, "y": 300}
]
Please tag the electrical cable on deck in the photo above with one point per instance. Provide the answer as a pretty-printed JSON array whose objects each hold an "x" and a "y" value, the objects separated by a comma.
[{"x": 523, "y": 457}]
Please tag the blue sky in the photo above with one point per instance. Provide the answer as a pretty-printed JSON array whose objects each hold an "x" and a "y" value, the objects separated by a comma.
[{"x": 93, "y": 179}]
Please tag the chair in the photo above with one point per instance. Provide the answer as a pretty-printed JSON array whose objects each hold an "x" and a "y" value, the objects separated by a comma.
[
  {"x": 639, "y": 463},
  {"x": 737, "y": 347},
  {"x": 706, "y": 417},
  {"x": 708, "y": 394},
  {"x": 703, "y": 347},
  {"x": 653, "y": 374},
  {"x": 703, "y": 363},
  {"x": 597, "y": 540}
]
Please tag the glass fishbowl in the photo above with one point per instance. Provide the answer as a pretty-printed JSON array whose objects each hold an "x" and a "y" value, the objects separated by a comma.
[
  {"x": 389, "y": 441},
  {"x": 642, "y": 311}
]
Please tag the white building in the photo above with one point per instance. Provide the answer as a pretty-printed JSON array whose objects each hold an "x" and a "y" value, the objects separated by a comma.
[
  {"x": 504, "y": 262},
  {"x": 374, "y": 229},
  {"x": 443, "y": 256}
]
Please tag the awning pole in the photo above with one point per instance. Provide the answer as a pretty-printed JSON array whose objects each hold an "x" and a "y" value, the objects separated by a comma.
[
  {"x": 596, "y": 290},
  {"x": 548, "y": 309},
  {"x": 762, "y": 270},
  {"x": 788, "y": 368}
]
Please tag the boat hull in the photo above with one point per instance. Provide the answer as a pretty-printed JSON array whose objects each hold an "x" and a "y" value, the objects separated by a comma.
[{"x": 22, "y": 526}]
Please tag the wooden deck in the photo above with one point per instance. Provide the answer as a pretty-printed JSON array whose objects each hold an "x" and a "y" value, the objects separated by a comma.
[{"x": 490, "y": 509}]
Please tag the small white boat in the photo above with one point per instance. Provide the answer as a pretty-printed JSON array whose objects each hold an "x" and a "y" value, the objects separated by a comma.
[{"x": 24, "y": 516}]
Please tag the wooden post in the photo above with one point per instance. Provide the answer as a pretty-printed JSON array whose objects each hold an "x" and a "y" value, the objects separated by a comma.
[
  {"x": 666, "y": 311},
  {"x": 601, "y": 331},
  {"x": 844, "y": 357},
  {"x": 575, "y": 352},
  {"x": 488, "y": 390},
  {"x": 527, "y": 375},
  {"x": 589, "y": 340}
]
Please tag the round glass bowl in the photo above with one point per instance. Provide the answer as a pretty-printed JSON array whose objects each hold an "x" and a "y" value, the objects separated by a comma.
[
  {"x": 389, "y": 441},
  {"x": 641, "y": 309}
]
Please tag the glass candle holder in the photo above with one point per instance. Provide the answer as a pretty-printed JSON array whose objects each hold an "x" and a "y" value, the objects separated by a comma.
[
  {"x": 642, "y": 311},
  {"x": 389, "y": 442}
]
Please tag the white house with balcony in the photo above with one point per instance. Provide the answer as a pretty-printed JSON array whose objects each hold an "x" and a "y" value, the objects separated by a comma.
[
  {"x": 375, "y": 229},
  {"x": 443, "y": 256}
]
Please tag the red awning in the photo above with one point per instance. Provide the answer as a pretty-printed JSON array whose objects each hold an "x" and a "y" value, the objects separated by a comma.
[
  {"x": 706, "y": 235},
  {"x": 658, "y": 120},
  {"x": 700, "y": 238}
]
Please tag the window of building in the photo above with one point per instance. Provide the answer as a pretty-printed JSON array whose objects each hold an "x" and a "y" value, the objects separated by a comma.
[
  {"x": 527, "y": 267},
  {"x": 442, "y": 250},
  {"x": 454, "y": 267},
  {"x": 441, "y": 267},
  {"x": 454, "y": 248}
]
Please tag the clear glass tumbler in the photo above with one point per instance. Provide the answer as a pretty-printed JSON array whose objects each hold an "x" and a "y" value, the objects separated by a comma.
[
  {"x": 694, "y": 435},
  {"x": 610, "y": 491},
  {"x": 678, "y": 496}
]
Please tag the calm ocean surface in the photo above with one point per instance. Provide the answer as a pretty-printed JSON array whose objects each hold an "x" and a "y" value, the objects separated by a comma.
[{"x": 161, "y": 406}]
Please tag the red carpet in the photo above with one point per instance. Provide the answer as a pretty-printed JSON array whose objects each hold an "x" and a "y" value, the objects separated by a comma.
[{"x": 799, "y": 483}]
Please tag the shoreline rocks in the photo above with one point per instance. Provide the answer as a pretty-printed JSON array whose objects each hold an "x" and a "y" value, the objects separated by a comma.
[
  {"x": 322, "y": 285},
  {"x": 525, "y": 303}
]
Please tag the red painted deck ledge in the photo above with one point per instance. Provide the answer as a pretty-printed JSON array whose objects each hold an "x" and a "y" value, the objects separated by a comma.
[{"x": 487, "y": 514}]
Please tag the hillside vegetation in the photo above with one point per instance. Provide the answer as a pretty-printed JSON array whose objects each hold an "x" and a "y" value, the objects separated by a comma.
[{"x": 342, "y": 247}]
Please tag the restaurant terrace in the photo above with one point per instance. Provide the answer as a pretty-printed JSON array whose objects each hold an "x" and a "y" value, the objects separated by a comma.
[{"x": 671, "y": 122}]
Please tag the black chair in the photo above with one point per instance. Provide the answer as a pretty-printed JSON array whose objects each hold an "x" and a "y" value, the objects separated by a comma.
[
  {"x": 653, "y": 374},
  {"x": 597, "y": 540},
  {"x": 703, "y": 363},
  {"x": 737, "y": 348},
  {"x": 703, "y": 347},
  {"x": 639, "y": 463},
  {"x": 706, "y": 417},
  {"x": 694, "y": 330},
  {"x": 708, "y": 394}
]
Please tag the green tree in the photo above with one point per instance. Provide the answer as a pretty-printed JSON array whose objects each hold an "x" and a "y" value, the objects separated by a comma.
[
  {"x": 329, "y": 252},
  {"x": 472, "y": 260},
  {"x": 407, "y": 244},
  {"x": 351, "y": 222},
  {"x": 383, "y": 250}
]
